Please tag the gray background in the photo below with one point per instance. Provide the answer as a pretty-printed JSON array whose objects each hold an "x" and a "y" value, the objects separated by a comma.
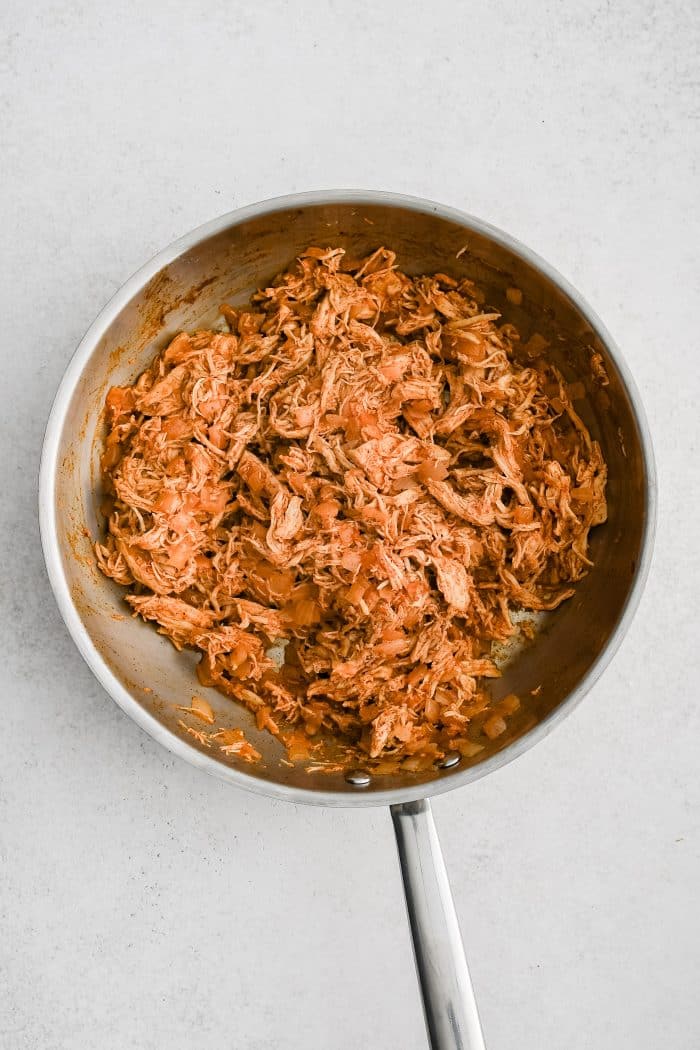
[{"x": 145, "y": 905}]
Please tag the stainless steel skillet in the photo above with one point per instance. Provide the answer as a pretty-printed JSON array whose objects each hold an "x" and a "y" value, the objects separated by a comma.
[{"x": 226, "y": 260}]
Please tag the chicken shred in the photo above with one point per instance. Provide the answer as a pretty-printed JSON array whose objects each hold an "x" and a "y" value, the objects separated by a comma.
[{"x": 369, "y": 468}]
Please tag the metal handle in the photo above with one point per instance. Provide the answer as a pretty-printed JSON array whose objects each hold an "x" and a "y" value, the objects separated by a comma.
[{"x": 450, "y": 1009}]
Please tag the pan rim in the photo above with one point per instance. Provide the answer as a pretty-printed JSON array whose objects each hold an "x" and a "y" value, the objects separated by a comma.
[{"x": 349, "y": 798}]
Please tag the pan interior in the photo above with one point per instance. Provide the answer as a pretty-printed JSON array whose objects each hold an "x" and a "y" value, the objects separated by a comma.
[{"x": 228, "y": 265}]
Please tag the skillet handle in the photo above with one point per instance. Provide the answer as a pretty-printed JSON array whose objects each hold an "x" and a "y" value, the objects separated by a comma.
[{"x": 451, "y": 1015}]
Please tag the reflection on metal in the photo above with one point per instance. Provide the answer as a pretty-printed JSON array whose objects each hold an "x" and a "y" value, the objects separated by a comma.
[
  {"x": 358, "y": 778},
  {"x": 451, "y": 1015}
]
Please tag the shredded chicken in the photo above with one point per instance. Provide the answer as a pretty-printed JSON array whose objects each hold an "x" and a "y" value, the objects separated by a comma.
[{"x": 369, "y": 467}]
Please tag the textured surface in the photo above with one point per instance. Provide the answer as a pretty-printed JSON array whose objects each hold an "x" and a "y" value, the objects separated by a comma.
[{"x": 145, "y": 905}]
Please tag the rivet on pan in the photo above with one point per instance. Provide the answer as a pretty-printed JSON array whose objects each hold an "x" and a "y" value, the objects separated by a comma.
[
  {"x": 452, "y": 758},
  {"x": 358, "y": 778}
]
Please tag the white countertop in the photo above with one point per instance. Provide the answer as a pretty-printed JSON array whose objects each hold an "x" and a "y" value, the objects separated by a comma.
[{"x": 144, "y": 905}]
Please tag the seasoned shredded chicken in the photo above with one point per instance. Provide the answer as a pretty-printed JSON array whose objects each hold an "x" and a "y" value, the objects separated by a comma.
[{"x": 369, "y": 467}]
